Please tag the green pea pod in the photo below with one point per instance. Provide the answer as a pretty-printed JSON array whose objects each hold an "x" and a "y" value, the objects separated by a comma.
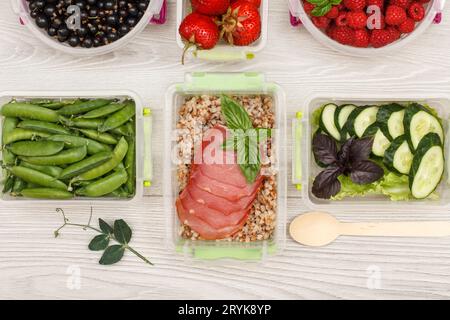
[
  {"x": 53, "y": 171},
  {"x": 9, "y": 124},
  {"x": 33, "y": 176},
  {"x": 84, "y": 123},
  {"x": 105, "y": 185},
  {"x": 43, "y": 126},
  {"x": 103, "y": 111},
  {"x": 70, "y": 141},
  {"x": 124, "y": 130},
  {"x": 29, "y": 111},
  {"x": 19, "y": 185},
  {"x": 9, "y": 183},
  {"x": 59, "y": 104},
  {"x": 85, "y": 165},
  {"x": 119, "y": 118},
  {"x": 64, "y": 157},
  {"x": 9, "y": 158},
  {"x": 35, "y": 148},
  {"x": 46, "y": 193},
  {"x": 24, "y": 134},
  {"x": 118, "y": 155},
  {"x": 82, "y": 107},
  {"x": 40, "y": 101},
  {"x": 130, "y": 165},
  {"x": 102, "y": 137},
  {"x": 118, "y": 193}
]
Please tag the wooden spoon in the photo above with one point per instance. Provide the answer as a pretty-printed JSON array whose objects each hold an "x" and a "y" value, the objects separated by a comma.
[{"x": 319, "y": 229}]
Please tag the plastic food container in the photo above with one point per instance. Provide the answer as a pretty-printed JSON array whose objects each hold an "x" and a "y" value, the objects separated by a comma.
[
  {"x": 143, "y": 140},
  {"x": 215, "y": 84},
  {"x": 305, "y": 168},
  {"x": 155, "y": 14},
  {"x": 299, "y": 16},
  {"x": 224, "y": 51}
]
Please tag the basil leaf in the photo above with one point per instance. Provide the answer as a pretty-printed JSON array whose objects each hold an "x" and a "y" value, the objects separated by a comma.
[
  {"x": 236, "y": 117},
  {"x": 326, "y": 184},
  {"x": 105, "y": 227},
  {"x": 112, "y": 255},
  {"x": 122, "y": 232},
  {"x": 320, "y": 11},
  {"x": 324, "y": 149},
  {"x": 250, "y": 171},
  {"x": 365, "y": 172},
  {"x": 344, "y": 153},
  {"x": 99, "y": 242},
  {"x": 360, "y": 149}
]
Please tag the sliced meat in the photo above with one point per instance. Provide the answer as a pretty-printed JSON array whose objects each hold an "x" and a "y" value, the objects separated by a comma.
[
  {"x": 206, "y": 231},
  {"x": 218, "y": 203},
  {"x": 214, "y": 218}
]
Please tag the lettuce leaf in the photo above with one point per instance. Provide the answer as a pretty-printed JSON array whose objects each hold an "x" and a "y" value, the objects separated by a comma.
[
  {"x": 351, "y": 189},
  {"x": 395, "y": 187}
]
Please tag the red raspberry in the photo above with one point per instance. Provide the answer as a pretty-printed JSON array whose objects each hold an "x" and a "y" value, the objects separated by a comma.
[
  {"x": 395, "y": 15},
  {"x": 401, "y": 3},
  {"x": 407, "y": 26},
  {"x": 395, "y": 34},
  {"x": 356, "y": 19},
  {"x": 362, "y": 38},
  {"x": 380, "y": 38},
  {"x": 355, "y": 5},
  {"x": 333, "y": 13},
  {"x": 344, "y": 35},
  {"x": 308, "y": 7},
  {"x": 372, "y": 22},
  {"x": 321, "y": 22},
  {"x": 341, "y": 20},
  {"x": 378, "y": 3},
  {"x": 424, "y": 1},
  {"x": 416, "y": 11}
]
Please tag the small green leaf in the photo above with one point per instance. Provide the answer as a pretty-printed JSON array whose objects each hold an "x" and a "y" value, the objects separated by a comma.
[
  {"x": 335, "y": 2},
  {"x": 99, "y": 242},
  {"x": 321, "y": 11},
  {"x": 318, "y": 2},
  {"x": 229, "y": 144},
  {"x": 112, "y": 255},
  {"x": 236, "y": 117},
  {"x": 105, "y": 227},
  {"x": 250, "y": 171},
  {"x": 122, "y": 231}
]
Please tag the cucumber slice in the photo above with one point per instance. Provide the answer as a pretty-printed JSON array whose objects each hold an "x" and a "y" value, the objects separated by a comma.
[
  {"x": 418, "y": 122},
  {"x": 340, "y": 118},
  {"x": 380, "y": 142},
  {"x": 398, "y": 157},
  {"x": 360, "y": 119},
  {"x": 390, "y": 117},
  {"x": 327, "y": 123},
  {"x": 427, "y": 167}
]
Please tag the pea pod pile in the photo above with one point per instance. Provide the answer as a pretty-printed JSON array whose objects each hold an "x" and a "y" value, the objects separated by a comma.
[
  {"x": 69, "y": 148},
  {"x": 407, "y": 139}
]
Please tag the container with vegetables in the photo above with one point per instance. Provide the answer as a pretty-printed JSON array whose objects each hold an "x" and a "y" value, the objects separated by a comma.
[
  {"x": 66, "y": 147},
  {"x": 384, "y": 153}
]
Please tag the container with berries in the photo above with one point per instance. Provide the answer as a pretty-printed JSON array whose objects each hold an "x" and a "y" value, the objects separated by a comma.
[
  {"x": 88, "y": 27},
  {"x": 222, "y": 30},
  {"x": 366, "y": 27}
]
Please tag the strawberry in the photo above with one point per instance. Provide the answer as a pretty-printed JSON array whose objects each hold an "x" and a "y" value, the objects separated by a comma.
[
  {"x": 362, "y": 38},
  {"x": 378, "y": 3},
  {"x": 210, "y": 7},
  {"x": 407, "y": 26},
  {"x": 333, "y": 13},
  {"x": 308, "y": 7},
  {"x": 321, "y": 22},
  {"x": 401, "y": 3},
  {"x": 355, "y": 5},
  {"x": 416, "y": 11},
  {"x": 395, "y": 15},
  {"x": 344, "y": 35},
  {"x": 256, "y": 3},
  {"x": 200, "y": 31},
  {"x": 241, "y": 25},
  {"x": 380, "y": 38},
  {"x": 341, "y": 20},
  {"x": 356, "y": 19}
]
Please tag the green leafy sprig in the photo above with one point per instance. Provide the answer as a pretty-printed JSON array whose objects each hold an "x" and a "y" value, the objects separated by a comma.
[
  {"x": 322, "y": 7},
  {"x": 120, "y": 233}
]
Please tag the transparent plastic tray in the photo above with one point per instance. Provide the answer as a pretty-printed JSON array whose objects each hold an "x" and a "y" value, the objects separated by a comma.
[
  {"x": 143, "y": 139},
  {"x": 214, "y": 84},
  {"x": 224, "y": 51},
  {"x": 305, "y": 168}
]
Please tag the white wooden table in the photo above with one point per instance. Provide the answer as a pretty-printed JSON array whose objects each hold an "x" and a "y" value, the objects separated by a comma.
[{"x": 35, "y": 265}]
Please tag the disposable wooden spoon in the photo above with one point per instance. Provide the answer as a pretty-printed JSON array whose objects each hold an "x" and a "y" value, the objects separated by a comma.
[{"x": 319, "y": 229}]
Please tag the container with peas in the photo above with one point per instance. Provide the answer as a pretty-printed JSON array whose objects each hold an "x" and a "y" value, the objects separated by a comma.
[{"x": 74, "y": 147}]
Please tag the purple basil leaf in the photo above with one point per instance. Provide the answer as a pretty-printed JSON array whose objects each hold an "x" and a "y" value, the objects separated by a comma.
[
  {"x": 326, "y": 184},
  {"x": 324, "y": 148},
  {"x": 365, "y": 172},
  {"x": 344, "y": 153},
  {"x": 360, "y": 149}
]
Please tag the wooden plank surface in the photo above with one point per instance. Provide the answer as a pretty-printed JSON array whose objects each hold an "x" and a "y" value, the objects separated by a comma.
[{"x": 35, "y": 265}]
